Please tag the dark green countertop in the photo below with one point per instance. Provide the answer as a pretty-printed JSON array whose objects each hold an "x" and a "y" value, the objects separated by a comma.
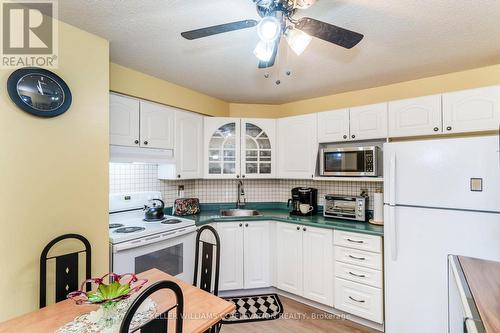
[{"x": 279, "y": 212}]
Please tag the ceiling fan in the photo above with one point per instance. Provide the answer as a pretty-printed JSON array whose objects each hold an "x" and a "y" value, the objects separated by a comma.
[{"x": 277, "y": 20}]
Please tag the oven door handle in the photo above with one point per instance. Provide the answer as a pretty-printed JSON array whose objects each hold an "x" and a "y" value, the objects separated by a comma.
[{"x": 152, "y": 239}]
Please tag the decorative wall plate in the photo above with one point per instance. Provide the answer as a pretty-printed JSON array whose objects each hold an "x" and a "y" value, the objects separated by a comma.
[{"x": 39, "y": 92}]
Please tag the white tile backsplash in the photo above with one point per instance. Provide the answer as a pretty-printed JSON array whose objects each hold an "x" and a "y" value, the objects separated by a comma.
[{"x": 126, "y": 177}]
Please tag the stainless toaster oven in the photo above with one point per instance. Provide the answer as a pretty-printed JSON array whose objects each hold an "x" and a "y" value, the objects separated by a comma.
[{"x": 345, "y": 207}]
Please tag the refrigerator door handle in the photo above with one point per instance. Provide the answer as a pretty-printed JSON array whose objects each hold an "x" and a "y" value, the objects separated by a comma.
[
  {"x": 392, "y": 232},
  {"x": 392, "y": 179}
]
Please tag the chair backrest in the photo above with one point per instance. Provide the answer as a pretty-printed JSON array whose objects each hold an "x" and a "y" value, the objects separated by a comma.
[
  {"x": 160, "y": 323},
  {"x": 66, "y": 268},
  {"x": 208, "y": 253}
]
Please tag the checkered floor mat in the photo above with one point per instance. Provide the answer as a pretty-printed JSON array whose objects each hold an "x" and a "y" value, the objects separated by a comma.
[{"x": 253, "y": 308}]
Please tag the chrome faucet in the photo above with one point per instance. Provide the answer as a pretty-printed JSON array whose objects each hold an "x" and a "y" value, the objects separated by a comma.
[{"x": 241, "y": 200}]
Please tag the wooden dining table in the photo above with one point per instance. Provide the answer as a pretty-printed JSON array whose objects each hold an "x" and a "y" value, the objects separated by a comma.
[{"x": 201, "y": 309}]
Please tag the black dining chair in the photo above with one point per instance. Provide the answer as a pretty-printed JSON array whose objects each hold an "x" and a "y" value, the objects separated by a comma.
[
  {"x": 66, "y": 268},
  {"x": 207, "y": 264},
  {"x": 160, "y": 323}
]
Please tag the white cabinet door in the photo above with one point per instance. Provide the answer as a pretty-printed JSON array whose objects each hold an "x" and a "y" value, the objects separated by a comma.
[
  {"x": 318, "y": 264},
  {"x": 297, "y": 147},
  {"x": 415, "y": 116},
  {"x": 257, "y": 254},
  {"x": 289, "y": 258},
  {"x": 258, "y": 148},
  {"x": 231, "y": 257},
  {"x": 123, "y": 121},
  {"x": 157, "y": 126},
  {"x": 188, "y": 145},
  {"x": 222, "y": 147},
  {"x": 333, "y": 126},
  {"x": 368, "y": 122},
  {"x": 471, "y": 110}
]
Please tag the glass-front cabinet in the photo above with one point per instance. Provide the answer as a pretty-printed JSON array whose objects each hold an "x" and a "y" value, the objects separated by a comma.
[{"x": 239, "y": 148}]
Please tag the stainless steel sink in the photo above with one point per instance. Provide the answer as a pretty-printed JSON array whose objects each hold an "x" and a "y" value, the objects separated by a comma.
[{"x": 239, "y": 212}]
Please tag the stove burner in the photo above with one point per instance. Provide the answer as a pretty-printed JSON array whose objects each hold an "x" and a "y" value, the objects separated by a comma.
[
  {"x": 128, "y": 230},
  {"x": 171, "y": 221},
  {"x": 115, "y": 225}
]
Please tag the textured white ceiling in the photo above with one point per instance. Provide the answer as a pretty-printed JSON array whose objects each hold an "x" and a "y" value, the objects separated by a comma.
[{"x": 404, "y": 39}]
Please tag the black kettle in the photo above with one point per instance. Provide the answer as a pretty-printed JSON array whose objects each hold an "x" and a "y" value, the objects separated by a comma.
[{"x": 154, "y": 212}]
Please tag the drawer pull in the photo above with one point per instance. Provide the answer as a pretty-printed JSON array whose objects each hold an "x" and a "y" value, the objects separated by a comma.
[
  {"x": 357, "y": 275},
  {"x": 357, "y": 258},
  {"x": 357, "y": 300},
  {"x": 355, "y": 241}
]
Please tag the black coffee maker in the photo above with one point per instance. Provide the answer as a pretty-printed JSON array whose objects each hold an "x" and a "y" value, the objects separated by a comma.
[{"x": 303, "y": 195}]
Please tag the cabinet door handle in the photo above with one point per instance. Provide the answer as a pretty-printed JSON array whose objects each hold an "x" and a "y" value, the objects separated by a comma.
[
  {"x": 298, "y": 228},
  {"x": 355, "y": 241},
  {"x": 449, "y": 128},
  {"x": 136, "y": 142},
  {"x": 145, "y": 142},
  {"x": 241, "y": 224},
  {"x": 436, "y": 129},
  {"x": 243, "y": 176},
  {"x": 357, "y": 275},
  {"x": 305, "y": 229},
  {"x": 237, "y": 176},
  {"x": 356, "y": 300},
  {"x": 353, "y": 136},
  {"x": 178, "y": 176},
  {"x": 345, "y": 136},
  {"x": 246, "y": 224},
  {"x": 357, "y": 258}
]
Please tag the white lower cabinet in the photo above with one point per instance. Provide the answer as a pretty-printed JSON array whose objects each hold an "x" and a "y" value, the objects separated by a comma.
[
  {"x": 256, "y": 253},
  {"x": 289, "y": 258},
  {"x": 358, "y": 299},
  {"x": 359, "y": 275},
  {"x": 245, "y": 258},
  {"x": 231, "y": 255},
  {"x": 305, "y": 262}
]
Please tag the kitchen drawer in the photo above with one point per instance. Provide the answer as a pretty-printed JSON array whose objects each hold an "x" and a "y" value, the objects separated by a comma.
[
  {"x": 357, "y": 257},
  {"x": 358, "y": 241},
  {"x": 359, "y": 300},
  {"x": 359, "y": 274}
]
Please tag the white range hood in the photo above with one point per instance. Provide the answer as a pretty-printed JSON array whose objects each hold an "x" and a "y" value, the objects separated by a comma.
[{"x": 120, "y": 154}]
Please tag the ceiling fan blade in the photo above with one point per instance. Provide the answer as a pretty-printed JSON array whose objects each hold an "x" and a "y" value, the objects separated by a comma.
[
  {"x": 329, "y": 32},
  {"x": 272, "y": 60},
  {"x": 218, "y": 29}
]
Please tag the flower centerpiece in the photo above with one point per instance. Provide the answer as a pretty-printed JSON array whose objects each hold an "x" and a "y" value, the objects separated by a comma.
[{"x": 121, "y": 287}]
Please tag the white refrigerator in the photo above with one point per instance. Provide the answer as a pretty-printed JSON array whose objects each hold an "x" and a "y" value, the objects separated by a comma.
[{"x": 441, "y": 197}]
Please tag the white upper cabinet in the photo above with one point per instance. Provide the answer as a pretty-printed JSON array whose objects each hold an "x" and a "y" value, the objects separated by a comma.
[
  {"x": 258, "y": 153},
  {"x": 415, "y": 116},
  {"x": 297, "y": 147},
  {"x": 368, "y": 122},
  {"x": 222, "y": 147},
  {"x": 471, "y": 110},
  {"x": 188, "y": 145},
  {"x": 123, "y": 121},
  {"x": 157, "y": 126},
  {"x": 333, "y": 126}
]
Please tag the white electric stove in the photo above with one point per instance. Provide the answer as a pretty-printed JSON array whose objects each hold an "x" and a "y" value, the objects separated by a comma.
[{"x": 137, "y": 245}]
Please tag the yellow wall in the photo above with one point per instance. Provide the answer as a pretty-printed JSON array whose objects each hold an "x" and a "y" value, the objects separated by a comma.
[
  {"x": 254, "y": 110},
  {"x": 474, "y": 78},
  {"x": 140, "y": 85},
  {"x": 130, "y": 82},
  {"x": 54, "y": 172}
]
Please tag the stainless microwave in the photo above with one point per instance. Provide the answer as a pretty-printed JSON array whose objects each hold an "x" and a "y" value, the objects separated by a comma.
[{"x": 349, "y": 161}]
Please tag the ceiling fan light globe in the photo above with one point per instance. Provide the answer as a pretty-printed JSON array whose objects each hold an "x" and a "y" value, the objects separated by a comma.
[
  {"x": 263, "y": 51},
  {"x": 298, "y": 40},
  {"x": 269, "y": 29}
]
